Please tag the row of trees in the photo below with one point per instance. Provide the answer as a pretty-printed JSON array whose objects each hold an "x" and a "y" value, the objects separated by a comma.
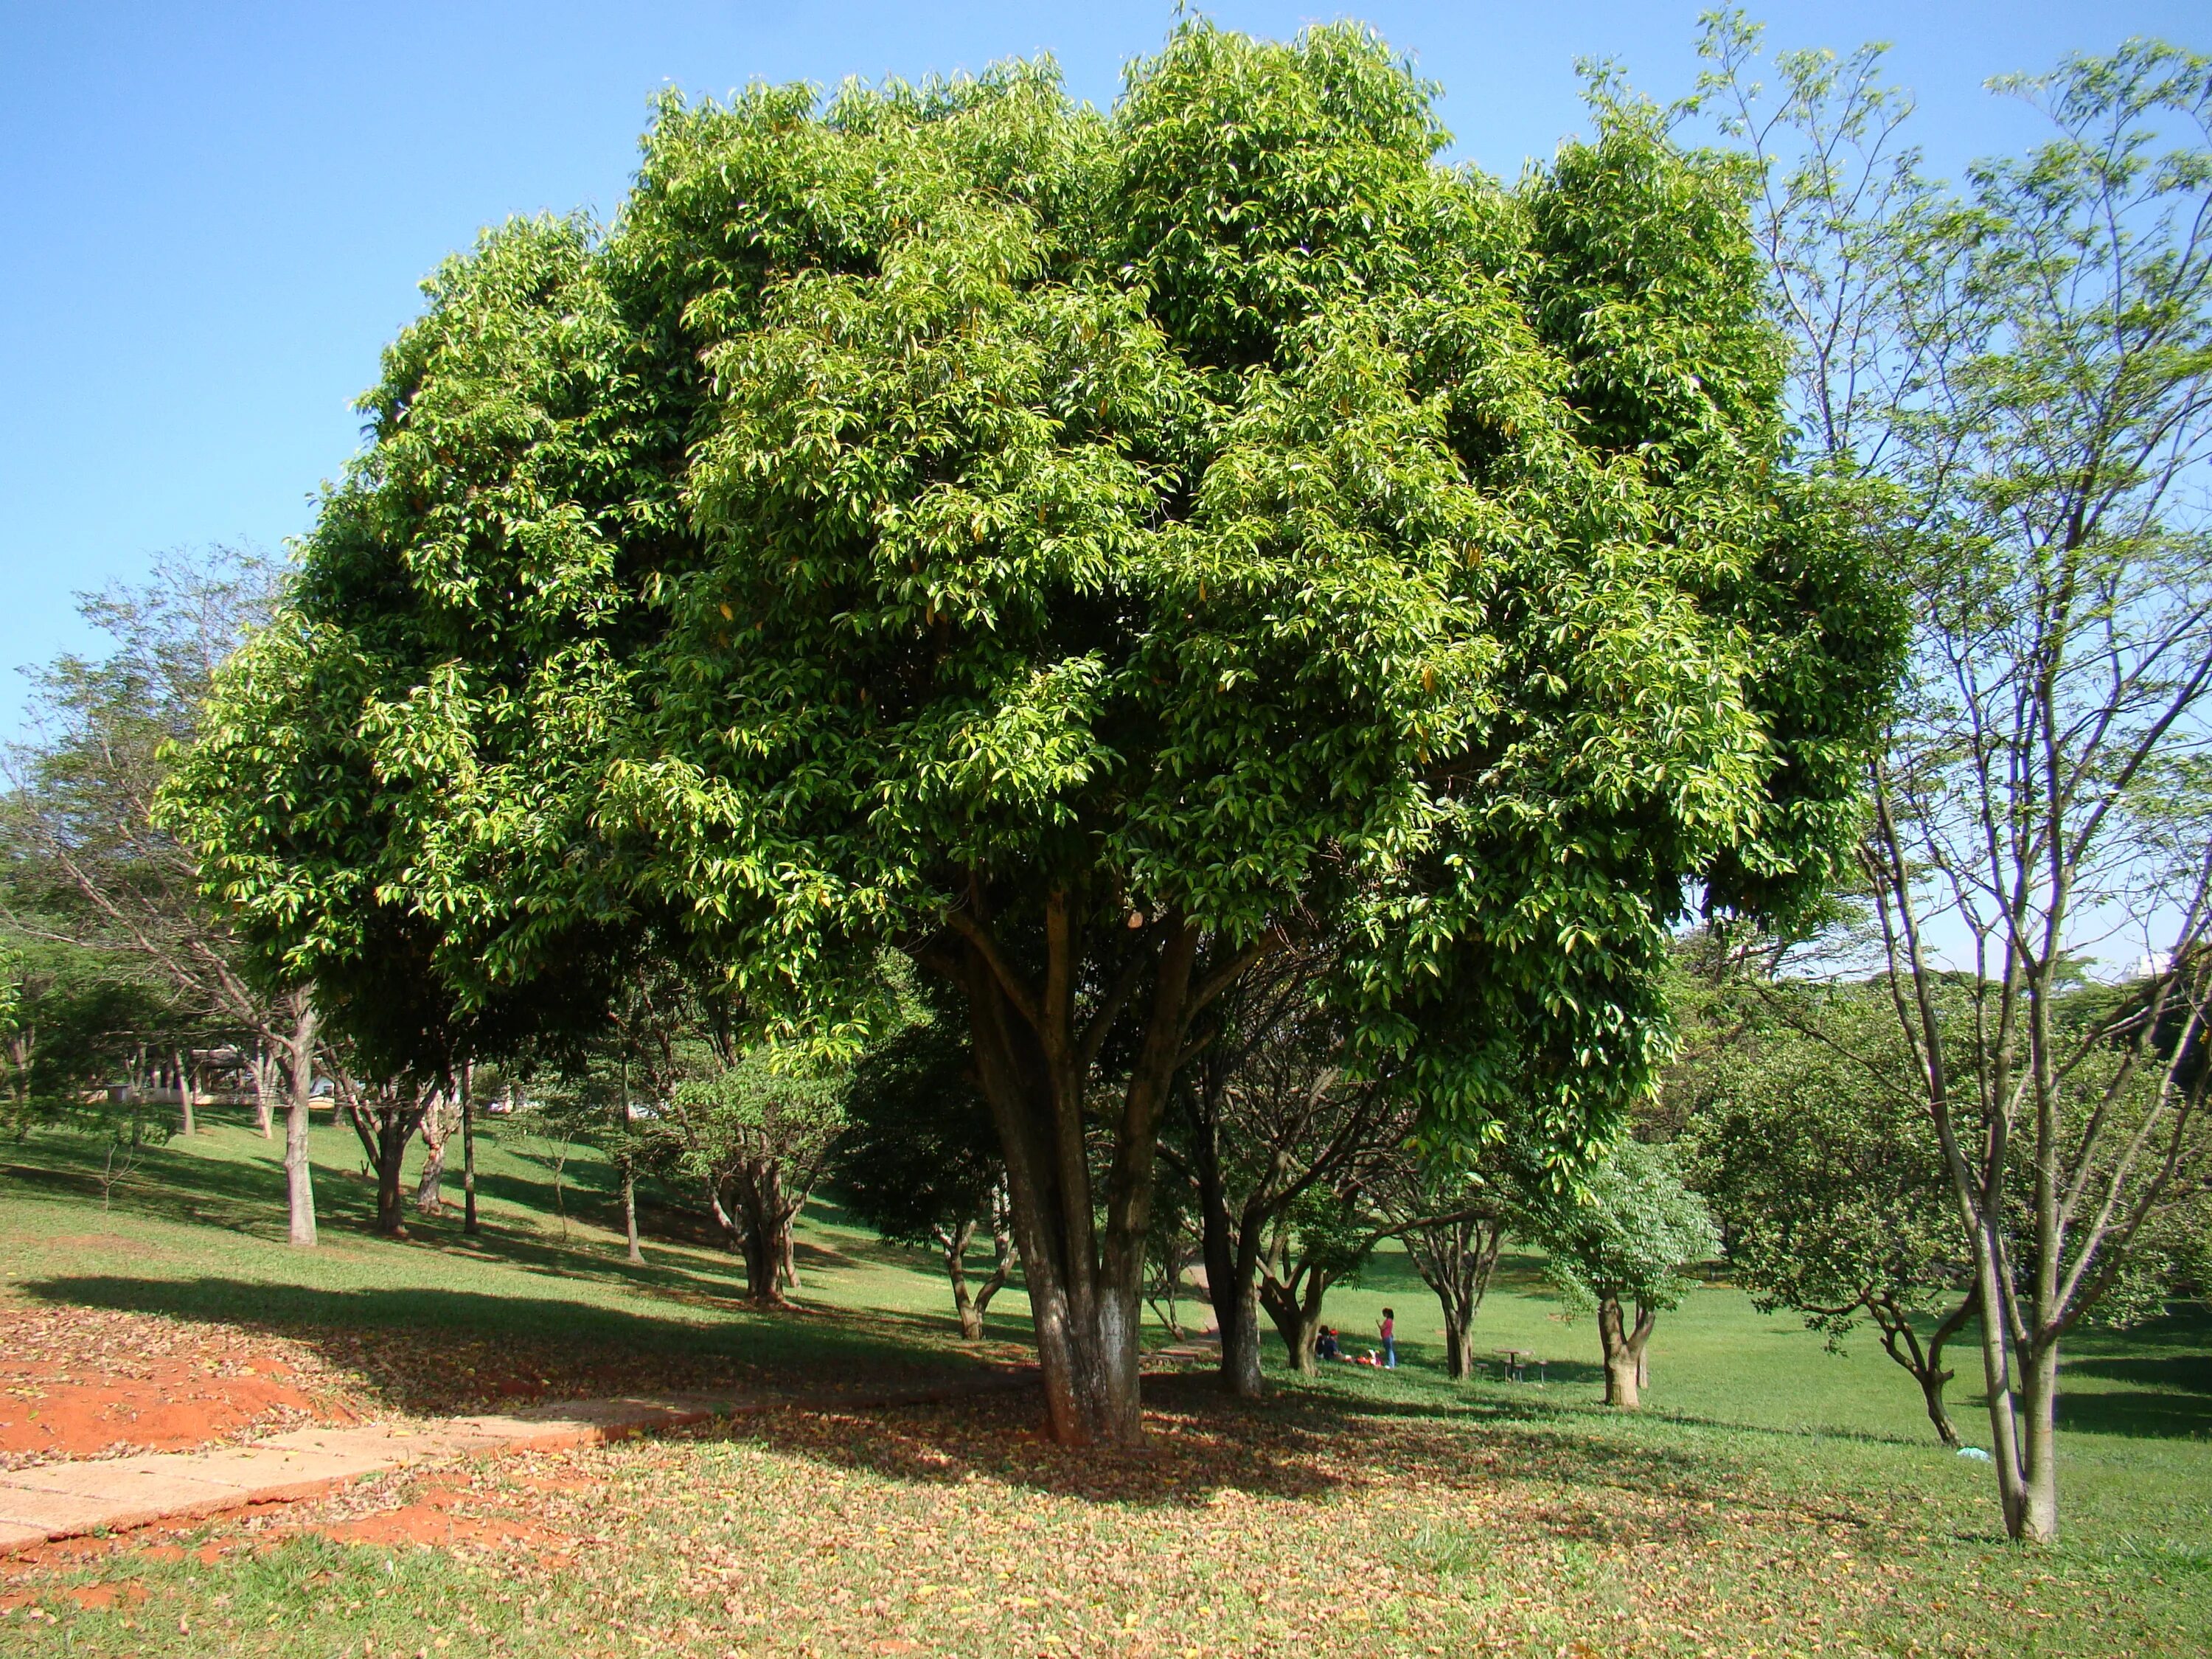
[{"x": 1277, "y": 635}]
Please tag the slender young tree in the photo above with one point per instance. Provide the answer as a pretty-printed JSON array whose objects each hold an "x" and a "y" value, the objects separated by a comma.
[
  {"x": 2023, "y": 368},
  {"x": 100, "y": 864}
]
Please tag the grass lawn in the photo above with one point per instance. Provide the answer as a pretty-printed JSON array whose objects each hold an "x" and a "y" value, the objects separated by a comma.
[{"x": 1773, "y": 1499}]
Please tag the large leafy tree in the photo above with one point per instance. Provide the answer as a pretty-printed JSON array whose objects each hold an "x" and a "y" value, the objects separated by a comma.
[{"x": 1090, "y": 552}]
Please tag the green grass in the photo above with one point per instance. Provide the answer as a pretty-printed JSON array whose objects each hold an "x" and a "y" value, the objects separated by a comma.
[{"x": 1774, "y": 1498}]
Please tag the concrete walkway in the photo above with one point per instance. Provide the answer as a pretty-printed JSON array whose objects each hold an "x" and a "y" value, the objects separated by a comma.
[{"x": 63, "y": 1500}]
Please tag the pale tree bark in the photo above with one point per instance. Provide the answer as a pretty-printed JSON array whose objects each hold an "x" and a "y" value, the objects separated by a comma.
[
  {"x": 299, "y": 1172},
  {"x": 439, "y": 1119},
  {"x": 1082, "y": 1244},
  {"x": 187, "y": 1096},
  {"x": 627, "y": 1167},
  {"x": 264, "y": 1088},
  {"x": 1625, "y": 1346},
  {"x": 954, "y": 1242}
]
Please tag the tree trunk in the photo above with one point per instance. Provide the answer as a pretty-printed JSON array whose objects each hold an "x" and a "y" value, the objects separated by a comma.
[
  {"x": 1459, "y": 1347},
  {"x": 1894, "y": 1321},
  {"x": 264, "y": 1088},
  {"x": 1296, "y": 1317},
  {"x": 1049, "y": 1188},
  {"x": 1083, "y": 1255},
  {"x": 1232, "y": 1266},
  {"x": 299, "y": 1174},
  {"x": 468, "y": 1154},
  {"x": 2038, "y": 1411},
  {"x": 429, "y": 1187},
  {"x": 1931, "y": 1392},
  {"x": 392, "y": 1134},
  {"x": 1625, "y": 1373},
  {"x": 184, "y": 1095},
  {"x": 629, "y": 1212},
  {"x": 955, "y": 1245},
  {"x": 1002, "y": 1269},
  {"x": 757, "y": 1233},
  {"x": 627, "y": 1163},
  {"x": 760, "y": 1266},
  {"x": 787, "y": 1248},
  {"x": 384, "y": 1132}
]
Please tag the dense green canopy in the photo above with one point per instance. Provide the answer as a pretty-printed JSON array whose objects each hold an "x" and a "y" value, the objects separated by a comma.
[{"x": 1217, "y": 510}]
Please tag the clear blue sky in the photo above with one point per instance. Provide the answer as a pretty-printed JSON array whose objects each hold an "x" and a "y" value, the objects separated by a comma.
[{"x": 221, "y": 211}]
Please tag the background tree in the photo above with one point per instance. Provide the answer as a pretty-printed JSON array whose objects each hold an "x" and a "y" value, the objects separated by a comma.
[
  {"x": 91, "y": 862},
  {"x": 758, "y": 1131},
  {"x": 1320, "y": 1240},
  {"x": 1622, "y": 1245},
  {"x": 919, "y": 1161},
  {"x": 71, "y": 1025},
  {"x": 2022, "y": 366},
  {"x": 1809, "y": 1138},
  {"x": 1267, "y": 1112},
  {"x": 953, "y": 518},
  {"x": 1451, "y": 1210}
]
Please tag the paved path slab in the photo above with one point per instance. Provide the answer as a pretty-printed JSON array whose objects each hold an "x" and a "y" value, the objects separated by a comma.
[{"x": 63, "y": 1500}]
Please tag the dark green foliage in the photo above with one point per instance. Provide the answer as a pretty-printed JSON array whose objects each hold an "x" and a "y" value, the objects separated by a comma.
[{"x": 919, "y": 1154}]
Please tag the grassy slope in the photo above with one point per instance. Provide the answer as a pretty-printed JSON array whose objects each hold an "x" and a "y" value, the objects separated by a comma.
[{"x": 1769, "y": 1480}]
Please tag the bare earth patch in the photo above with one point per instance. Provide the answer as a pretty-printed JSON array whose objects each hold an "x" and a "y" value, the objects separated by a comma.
[{"x": 81, "y": 1382}]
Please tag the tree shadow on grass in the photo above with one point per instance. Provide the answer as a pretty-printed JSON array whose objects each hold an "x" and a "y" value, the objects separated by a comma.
[
  {"x": 435, "y": 1350},
  {"x": 241, "y": 1198},
  {"x": 2164, "y": 1366},
  {"x": 1202, "y": 1448}
]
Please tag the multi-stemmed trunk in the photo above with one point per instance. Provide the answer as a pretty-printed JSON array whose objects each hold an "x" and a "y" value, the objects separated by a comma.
[
  {"x": 756, "y": 1219},
  {"x": 1624, "y": 1345},
  {"x": 972, "y": 1304},
  {"x": 1456, "y": 1259},
  {"x": 1083, "y": 1250},
  {"x": 385, "y": 1125}
]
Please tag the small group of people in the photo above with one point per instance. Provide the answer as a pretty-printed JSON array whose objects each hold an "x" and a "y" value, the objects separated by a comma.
[{"x": 1326, "y": 1346}]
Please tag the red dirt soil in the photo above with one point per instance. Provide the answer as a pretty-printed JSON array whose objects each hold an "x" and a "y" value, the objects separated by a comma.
[{"x": 83, "y": 1382}]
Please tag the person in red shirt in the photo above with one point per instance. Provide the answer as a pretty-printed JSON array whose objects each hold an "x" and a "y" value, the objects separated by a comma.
[{"x": 1388, "y": 1330}]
